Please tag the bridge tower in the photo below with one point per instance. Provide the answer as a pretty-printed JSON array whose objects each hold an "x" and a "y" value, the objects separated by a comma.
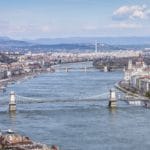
[
  {"x": 105, "y": 69},
  {"x": 67, "y": 69},
  {"x": 130, "y": 65},
  {"x": 96, "y": 50},
  {"x": 112, "y": 99},
  {"x": 12, "y": 102}
]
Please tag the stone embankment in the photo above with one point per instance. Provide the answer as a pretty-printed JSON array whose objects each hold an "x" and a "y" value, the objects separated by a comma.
[
  {"x": 126, "y": 88},
  {"x": 122, "y": 86}
]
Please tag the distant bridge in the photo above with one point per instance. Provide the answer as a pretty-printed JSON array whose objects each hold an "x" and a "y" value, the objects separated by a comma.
[{"x": 67, "y": 69}]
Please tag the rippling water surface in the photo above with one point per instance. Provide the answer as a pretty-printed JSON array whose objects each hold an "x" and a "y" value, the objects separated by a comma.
[{"x": 70, "y": 110}]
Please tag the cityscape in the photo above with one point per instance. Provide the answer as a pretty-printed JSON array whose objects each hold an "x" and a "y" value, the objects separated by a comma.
[{"x": 74, "y": 75}]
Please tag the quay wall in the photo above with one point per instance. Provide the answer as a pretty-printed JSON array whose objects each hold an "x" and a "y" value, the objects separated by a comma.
[{"x": 127, "y": 90}]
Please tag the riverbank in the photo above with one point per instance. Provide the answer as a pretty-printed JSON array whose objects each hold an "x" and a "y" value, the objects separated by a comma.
[
  {"x": 116, "y": 62},
  {"x": 125, "y": 88},
  {"x": 13, "y": 79},
  {"x": 10, "y": 140}
]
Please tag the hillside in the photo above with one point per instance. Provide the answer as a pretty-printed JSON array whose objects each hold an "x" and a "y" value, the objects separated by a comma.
[
  {"x": 76, "y": 44},
  {"x": 6, "y": 59}
]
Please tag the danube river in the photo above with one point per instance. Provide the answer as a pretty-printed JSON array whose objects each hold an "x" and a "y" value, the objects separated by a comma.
[{"x": 73, "y": 113}]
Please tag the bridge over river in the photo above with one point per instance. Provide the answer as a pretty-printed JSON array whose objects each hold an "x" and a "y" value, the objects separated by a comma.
[
  {"x": 103, "y": 97},
  {"x": 81, "y": 66},
  {"x": 51, "y": 105},
  {"x": 74, "y": 87}
]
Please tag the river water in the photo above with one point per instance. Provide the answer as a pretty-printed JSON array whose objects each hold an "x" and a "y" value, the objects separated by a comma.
[{"x": 73, "y": 113}]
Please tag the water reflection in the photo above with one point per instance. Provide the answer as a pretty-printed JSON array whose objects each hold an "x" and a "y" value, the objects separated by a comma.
[
  {"x": 112, "y": 111},
  {"x": 12, "y": 116}
]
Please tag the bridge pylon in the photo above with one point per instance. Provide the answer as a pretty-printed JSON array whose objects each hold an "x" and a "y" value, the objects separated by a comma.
[
  {"x": 112, "y": 99},
  {"x": 105, "y": 68},
  {"x": 67, "y": 69},
  {"x": 12, "y": 102}
]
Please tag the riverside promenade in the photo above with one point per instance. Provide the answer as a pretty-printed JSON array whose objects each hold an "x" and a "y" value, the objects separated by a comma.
[{"x": 125, "y": 88}]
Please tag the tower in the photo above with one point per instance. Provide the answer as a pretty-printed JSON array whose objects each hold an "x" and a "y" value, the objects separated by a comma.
[
  {"x": 96, "y": 47},
  {"x": 130, "y": 64},
  {"x": 105, "y": 69},
  {"x": 12, "y": 102},
  {"x": 112, "y": 99}
]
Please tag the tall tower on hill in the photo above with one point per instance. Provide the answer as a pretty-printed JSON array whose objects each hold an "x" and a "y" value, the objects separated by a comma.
[
  {"x": 130, "y": 64},
  {"x": 96, "y": 47}
]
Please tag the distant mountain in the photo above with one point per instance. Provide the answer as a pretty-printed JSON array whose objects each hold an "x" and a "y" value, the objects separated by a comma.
[
  {"x": 74, "y": 47},
  {"x": 108, "y": 40},
  {"x": 75, "y": 44},
  {"x": 4, "y": 38},
  {"x": 7, "y": 42},
  {"x": 61, "y": 44}
]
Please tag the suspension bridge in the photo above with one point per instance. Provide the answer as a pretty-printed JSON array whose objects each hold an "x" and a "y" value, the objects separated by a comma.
[
  {"x": 19, "y": 99},
  {"x": 15, "y": 99},
  {"x": 27, "y": 100}
]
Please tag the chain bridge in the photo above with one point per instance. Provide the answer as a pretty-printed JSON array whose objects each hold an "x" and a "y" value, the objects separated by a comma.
[{"x": 15, "y": 99}]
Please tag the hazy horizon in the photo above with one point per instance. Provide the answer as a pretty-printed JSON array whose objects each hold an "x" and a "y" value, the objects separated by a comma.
[{"x": 70, "y": 37}]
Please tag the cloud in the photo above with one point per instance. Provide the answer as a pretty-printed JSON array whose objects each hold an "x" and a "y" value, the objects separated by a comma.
[
  {"x": 131, "y": 12},
  {"x": 8, "y": 29},
  {"x": 124, "y": 25},
  {"x": 90, "y": 27},
  {"x": 45, "y": 28}
]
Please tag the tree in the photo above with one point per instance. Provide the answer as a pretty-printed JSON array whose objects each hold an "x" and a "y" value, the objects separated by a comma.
[{"x": 147, "y": 94}]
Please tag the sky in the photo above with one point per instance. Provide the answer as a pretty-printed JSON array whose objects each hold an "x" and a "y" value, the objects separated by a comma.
[{"x": 30, "y": 19}]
